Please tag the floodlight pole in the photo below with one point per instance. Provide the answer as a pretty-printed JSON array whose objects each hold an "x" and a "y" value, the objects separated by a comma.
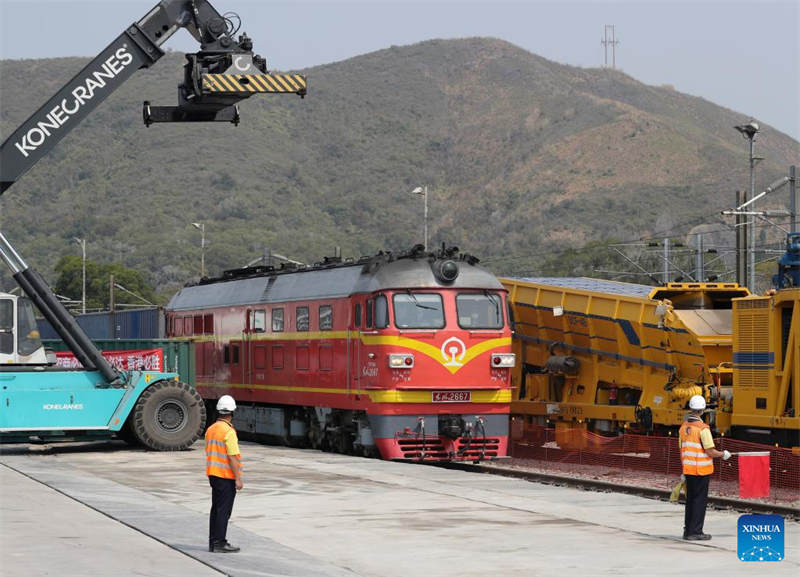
[
  {"x": 699, "y": 268},
  {"x": 201, "y": 226},
  {"x": 425, "y": 217},
  {"x": 423, "y": 190},
  {"x": 751, "y": 224},
  {"x": 741, "y": 241},
  {"x": 82, "y": 243},
  {"x": 794, "y": 201},
  {"x": 749, "y": 131}
]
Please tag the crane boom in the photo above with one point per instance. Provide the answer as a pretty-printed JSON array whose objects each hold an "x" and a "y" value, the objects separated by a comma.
[{"x": 222, "y": 73}]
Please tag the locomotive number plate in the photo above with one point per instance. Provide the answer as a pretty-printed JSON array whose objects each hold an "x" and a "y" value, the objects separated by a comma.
[{"x": 452, "y": 396}]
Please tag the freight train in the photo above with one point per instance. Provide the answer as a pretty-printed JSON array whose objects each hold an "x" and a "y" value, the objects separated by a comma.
[
  {"x": 611, "y": 357},
  {"x": 590, "y": 355},
  {"x": 405, "y": 356}
]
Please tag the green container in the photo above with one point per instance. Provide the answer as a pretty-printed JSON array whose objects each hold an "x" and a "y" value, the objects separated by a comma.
[{"x": 178, "y": 355}]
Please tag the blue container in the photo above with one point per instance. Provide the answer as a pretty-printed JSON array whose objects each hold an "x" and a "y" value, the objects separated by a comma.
[
  {"x": 137, "y": 324},
  {"x": 46, "y": 330},
  {"x": 95, "y": 325},
  {"x": 125, "y": 325}
]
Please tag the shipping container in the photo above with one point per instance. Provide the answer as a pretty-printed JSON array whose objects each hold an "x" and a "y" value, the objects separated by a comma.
[
  {"x": 147, "y": 323},
  {"x": 178, "y": 355}
]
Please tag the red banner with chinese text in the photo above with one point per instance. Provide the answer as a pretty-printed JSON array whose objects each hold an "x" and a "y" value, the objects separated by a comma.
[{"x": 133, "y": 360}]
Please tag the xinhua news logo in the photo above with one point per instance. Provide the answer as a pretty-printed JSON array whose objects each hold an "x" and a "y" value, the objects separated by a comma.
[{"x": 760, "y": 538}]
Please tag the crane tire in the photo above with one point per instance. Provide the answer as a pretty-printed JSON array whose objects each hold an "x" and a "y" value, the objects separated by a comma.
[
  {"x": 126, "y": 433},
  {"x": 169, "y": 416}
]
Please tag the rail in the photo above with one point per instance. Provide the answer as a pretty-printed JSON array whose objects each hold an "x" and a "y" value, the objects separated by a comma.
[{"x": 605, "y": 486}]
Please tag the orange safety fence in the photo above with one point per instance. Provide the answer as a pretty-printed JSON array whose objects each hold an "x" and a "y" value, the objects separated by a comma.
[{"x": 644, "y": 460}]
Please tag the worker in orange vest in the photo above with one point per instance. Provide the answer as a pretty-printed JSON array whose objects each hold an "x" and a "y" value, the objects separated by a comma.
[
  {"x": 697, "y": 452},
  {"x": 224, "y": 471}
]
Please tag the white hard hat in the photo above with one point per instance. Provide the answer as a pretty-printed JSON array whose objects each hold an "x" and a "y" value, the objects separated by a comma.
[
  {"x": 226, "y": 405},
  {"x": 696, "y": 403}
]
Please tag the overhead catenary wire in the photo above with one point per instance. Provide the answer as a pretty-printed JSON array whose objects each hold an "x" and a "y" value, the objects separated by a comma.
[{"x": 543, "y": 255}]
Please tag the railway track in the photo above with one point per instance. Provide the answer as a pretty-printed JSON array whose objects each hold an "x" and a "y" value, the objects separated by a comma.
[{"x": 604, "y": 486}]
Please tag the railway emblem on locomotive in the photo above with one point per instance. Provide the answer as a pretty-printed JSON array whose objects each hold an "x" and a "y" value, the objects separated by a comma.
[{"x": 453, "y": 351}]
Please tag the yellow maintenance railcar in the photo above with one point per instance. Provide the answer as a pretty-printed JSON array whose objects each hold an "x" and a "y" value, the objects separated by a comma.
[{"x": 607, "y": 356}]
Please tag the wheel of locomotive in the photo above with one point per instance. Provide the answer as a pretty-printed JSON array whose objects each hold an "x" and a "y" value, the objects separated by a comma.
[
  {"x": 314, "y": 437},
  {"x": 169, "y": 416},
  {"x": 325, "y": 444},
  {"x": 343, "y": 443}
]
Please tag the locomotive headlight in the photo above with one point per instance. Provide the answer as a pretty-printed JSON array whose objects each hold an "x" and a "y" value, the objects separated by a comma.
[
  {"x": 401, "y": 361},
  {"x": 503, "y": 360}
]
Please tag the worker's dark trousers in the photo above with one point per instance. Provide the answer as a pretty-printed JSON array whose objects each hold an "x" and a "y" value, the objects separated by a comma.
[
  {"x": 696, "y": 498},
  {"x": 223, "y": 492}
]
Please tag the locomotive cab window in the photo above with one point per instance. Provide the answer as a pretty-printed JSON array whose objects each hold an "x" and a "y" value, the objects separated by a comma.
[
  {"x": 258, "y": 321},
  {"x": 368, "y": 323},
  {"x": 325, "y": 317},
  {"x": 479, "y": 311},
  {"x": 418, "y": 310},
  {"x": 357, "y": 316},
  {"x": 277, "y": 320},
  {"x": 302, "y": 318},
  {"x": 381, "y": 312}
]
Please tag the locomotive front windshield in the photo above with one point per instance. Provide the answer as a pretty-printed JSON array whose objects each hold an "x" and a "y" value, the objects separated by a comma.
[
  {"x": 418, "y": 311},
  {"x": 479, "y": 311}
]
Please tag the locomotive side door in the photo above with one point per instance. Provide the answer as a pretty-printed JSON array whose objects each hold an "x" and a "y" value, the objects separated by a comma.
[
  {"x": 354, "y": 345},
  {"x": 247, "y": 350},
  {"x": 256, "y": 323},
  {"x": 367, "y": 361}
]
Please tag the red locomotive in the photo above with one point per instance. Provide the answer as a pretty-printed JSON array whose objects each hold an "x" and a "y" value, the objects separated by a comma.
[{"x": 405, "y": 356}]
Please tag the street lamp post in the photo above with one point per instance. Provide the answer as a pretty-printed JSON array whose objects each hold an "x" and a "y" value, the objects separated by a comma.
[
  {"x": 424, "y": 192},
  {"x": 82, "y": 243},
  {"x": 749, "y": 131},
  {"x": 201, "y": 226}
]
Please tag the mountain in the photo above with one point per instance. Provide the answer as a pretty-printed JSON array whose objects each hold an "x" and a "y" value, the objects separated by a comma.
[{"x": 523, "y": 158}]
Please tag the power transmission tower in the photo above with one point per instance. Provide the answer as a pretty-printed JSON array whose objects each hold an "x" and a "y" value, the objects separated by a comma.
[{"x": 610, "y": 40}]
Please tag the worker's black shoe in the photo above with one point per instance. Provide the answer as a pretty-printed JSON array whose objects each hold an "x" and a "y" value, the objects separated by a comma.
[
  {"x": 224, "y": 547},
  {"x": 698, "y": 537}
]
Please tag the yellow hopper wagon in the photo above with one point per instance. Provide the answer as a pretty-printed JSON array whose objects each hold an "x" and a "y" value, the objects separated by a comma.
[{"x": 608, "y": 357}]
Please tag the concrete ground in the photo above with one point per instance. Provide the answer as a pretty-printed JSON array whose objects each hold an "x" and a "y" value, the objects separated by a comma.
[{"x": 307, "y": 514}]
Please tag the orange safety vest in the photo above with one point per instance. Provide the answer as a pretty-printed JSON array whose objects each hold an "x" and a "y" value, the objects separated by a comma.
[
  {"x": 217, "y": 462},
  {"x": 694, "y": 458}
]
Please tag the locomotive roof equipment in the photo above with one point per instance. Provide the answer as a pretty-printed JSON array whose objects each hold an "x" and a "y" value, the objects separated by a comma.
[{"x": 367, "y": 274}]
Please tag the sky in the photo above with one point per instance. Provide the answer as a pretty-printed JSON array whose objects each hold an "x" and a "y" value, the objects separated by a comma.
[{"x": 742, "y": 55}]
